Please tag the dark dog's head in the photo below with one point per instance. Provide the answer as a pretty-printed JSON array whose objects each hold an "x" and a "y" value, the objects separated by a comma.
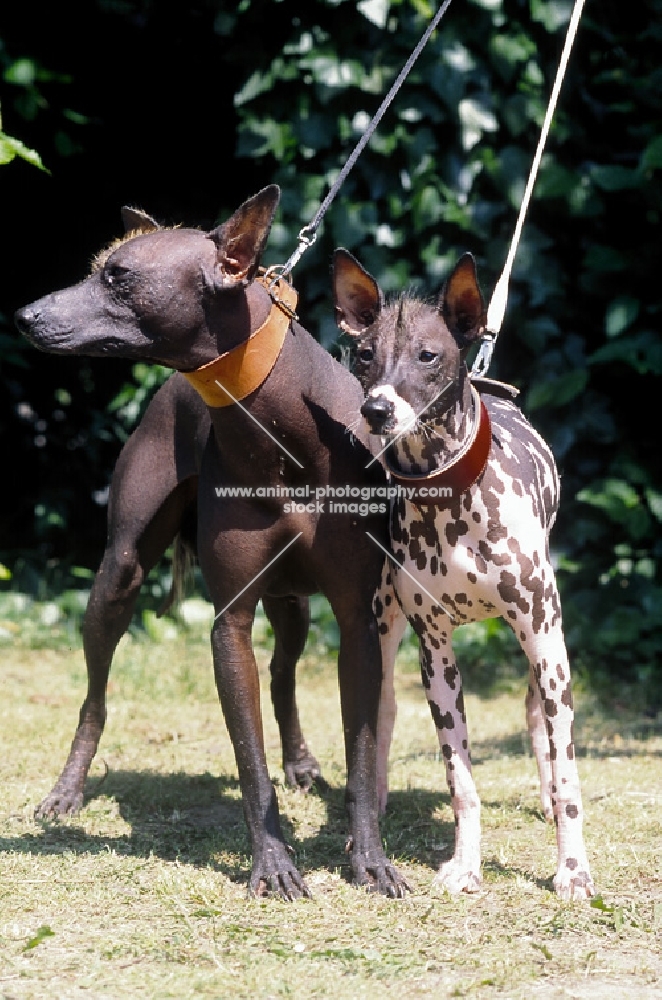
[
  {"x": 162, "y": 295},
  {"x": 410, "y": 354}
]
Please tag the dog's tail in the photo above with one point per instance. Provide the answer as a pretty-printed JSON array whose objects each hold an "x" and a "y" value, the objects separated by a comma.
[{"x": 183, "y": 561}]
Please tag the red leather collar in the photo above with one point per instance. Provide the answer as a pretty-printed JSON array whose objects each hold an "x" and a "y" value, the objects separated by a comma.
[{"x": 443, "y": 488}]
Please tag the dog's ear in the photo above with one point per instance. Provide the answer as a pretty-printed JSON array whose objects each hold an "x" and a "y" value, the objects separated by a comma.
[
  {"x": 137, "y": 221},
  {"x": 241, "y": 240},
  {"x": 357, "y": 296},
  {"x": 461, "y": 302}
]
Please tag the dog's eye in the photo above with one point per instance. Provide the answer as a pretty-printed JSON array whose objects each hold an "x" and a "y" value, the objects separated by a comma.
[
  {"x": 427, "y": 357},
  {"x": 114, "y": 273},
  {"x": 365, "y": 355}
]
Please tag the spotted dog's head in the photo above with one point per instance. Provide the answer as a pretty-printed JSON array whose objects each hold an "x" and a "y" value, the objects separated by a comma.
[{"x": 410, "y": 354}]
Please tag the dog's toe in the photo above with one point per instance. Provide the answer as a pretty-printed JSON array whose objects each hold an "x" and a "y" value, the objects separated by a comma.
[
  {"x": 59, "y": 802},
  {"x": 277, "y": 876},
  {"x": 574, "y": 885},
  {"x": 303, "y": 773},
  {"x": 377, "y": 874}
]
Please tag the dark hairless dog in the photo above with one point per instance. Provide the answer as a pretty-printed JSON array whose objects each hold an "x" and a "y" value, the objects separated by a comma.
[{"x": 279, "y": 407}]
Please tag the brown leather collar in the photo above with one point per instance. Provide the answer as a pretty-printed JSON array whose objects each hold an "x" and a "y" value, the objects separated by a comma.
[
  {"x": 444, "y": 487},
  {"x": 243, "y": 369}
]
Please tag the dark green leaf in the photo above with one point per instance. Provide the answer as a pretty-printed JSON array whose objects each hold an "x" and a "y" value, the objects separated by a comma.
[
  {"x": 11, "y": 148},
  {"x": 558, "y": 390},
  {"x": 621, "y": 313},
  {"x": 614, "y": 178}
]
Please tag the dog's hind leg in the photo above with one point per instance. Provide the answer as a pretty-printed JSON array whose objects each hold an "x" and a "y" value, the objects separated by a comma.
[
  {"x": 289, "y": 617},
  {"x": 545, "y": 648},
  {"x": 537, "y": 726},
  {"x": 153, "y": 487},
  {"x": 126, "y": 563}
]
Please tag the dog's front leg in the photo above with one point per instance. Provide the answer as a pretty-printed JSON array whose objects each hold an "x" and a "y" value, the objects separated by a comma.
[
  {"x": 391, "y": 623},
  {"x": 237, "y": 683},
  {"x": 443, "y": 687},
  {"x": 359, "y": 676}
]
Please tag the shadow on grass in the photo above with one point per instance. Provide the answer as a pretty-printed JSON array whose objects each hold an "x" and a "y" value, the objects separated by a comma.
[
  {"x": 512, "y": 872},
  {"x": 198, "y": 820},
  {"x": 595, "y": 745}
]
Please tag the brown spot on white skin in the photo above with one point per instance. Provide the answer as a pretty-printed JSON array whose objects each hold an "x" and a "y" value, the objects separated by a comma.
[
  {"x": 441, "y": 721},
  {"x": 451, "y": 675},
  {"x": 510, "y": 594},
  {"x": 455, "y": 530}
]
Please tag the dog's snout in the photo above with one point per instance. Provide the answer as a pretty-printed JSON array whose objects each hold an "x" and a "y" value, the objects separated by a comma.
[
  {"x": 25, "y": 319},
  {"x": 377, "y": 410}
]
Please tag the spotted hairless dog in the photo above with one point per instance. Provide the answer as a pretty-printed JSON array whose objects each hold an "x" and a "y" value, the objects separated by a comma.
[
  {"x": 470, "y": 540},
  {"x": 278, "y": 406}
]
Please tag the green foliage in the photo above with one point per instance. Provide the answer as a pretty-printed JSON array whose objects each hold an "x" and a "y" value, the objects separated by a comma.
[
  {"x": 10, "y": 148},
  {"x": 131, "y": 401},
  {"x": 31, "y": 86},
  {"x": 443, "y": 174}
]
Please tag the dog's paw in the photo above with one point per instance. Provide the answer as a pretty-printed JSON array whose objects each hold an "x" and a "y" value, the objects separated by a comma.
[
  {"x": 61, "y": 801},
  {"x": 303, "y": 773},
  {"x": 574, "y": 883},
  {"x": 374, "y": 872},
  {"x": 456, "y": 877},
  {"x": 273, "y": 874}
]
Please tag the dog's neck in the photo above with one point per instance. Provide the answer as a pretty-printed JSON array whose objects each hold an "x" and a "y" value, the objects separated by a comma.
[
  {"x": 434, "y": 442},
  {"x": 237, "y": 372},
  {"x": 238, "y": 315}
]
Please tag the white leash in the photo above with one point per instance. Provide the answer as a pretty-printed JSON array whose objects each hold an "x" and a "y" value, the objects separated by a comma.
[{"x": 497, "y": 306}]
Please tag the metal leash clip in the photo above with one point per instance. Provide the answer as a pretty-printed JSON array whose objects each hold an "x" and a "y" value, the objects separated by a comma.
[
  {"x": 484, "y": 357},
  {"x": 305, "y": 240},
  {"x": 272, "y": 277}
]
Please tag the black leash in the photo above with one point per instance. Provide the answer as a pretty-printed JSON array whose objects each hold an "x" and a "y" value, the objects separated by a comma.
[{"x": 308, "y": 234}]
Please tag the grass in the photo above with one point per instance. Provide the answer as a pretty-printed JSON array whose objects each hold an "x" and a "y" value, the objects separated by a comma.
[{"x": 144, "y": 893}]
